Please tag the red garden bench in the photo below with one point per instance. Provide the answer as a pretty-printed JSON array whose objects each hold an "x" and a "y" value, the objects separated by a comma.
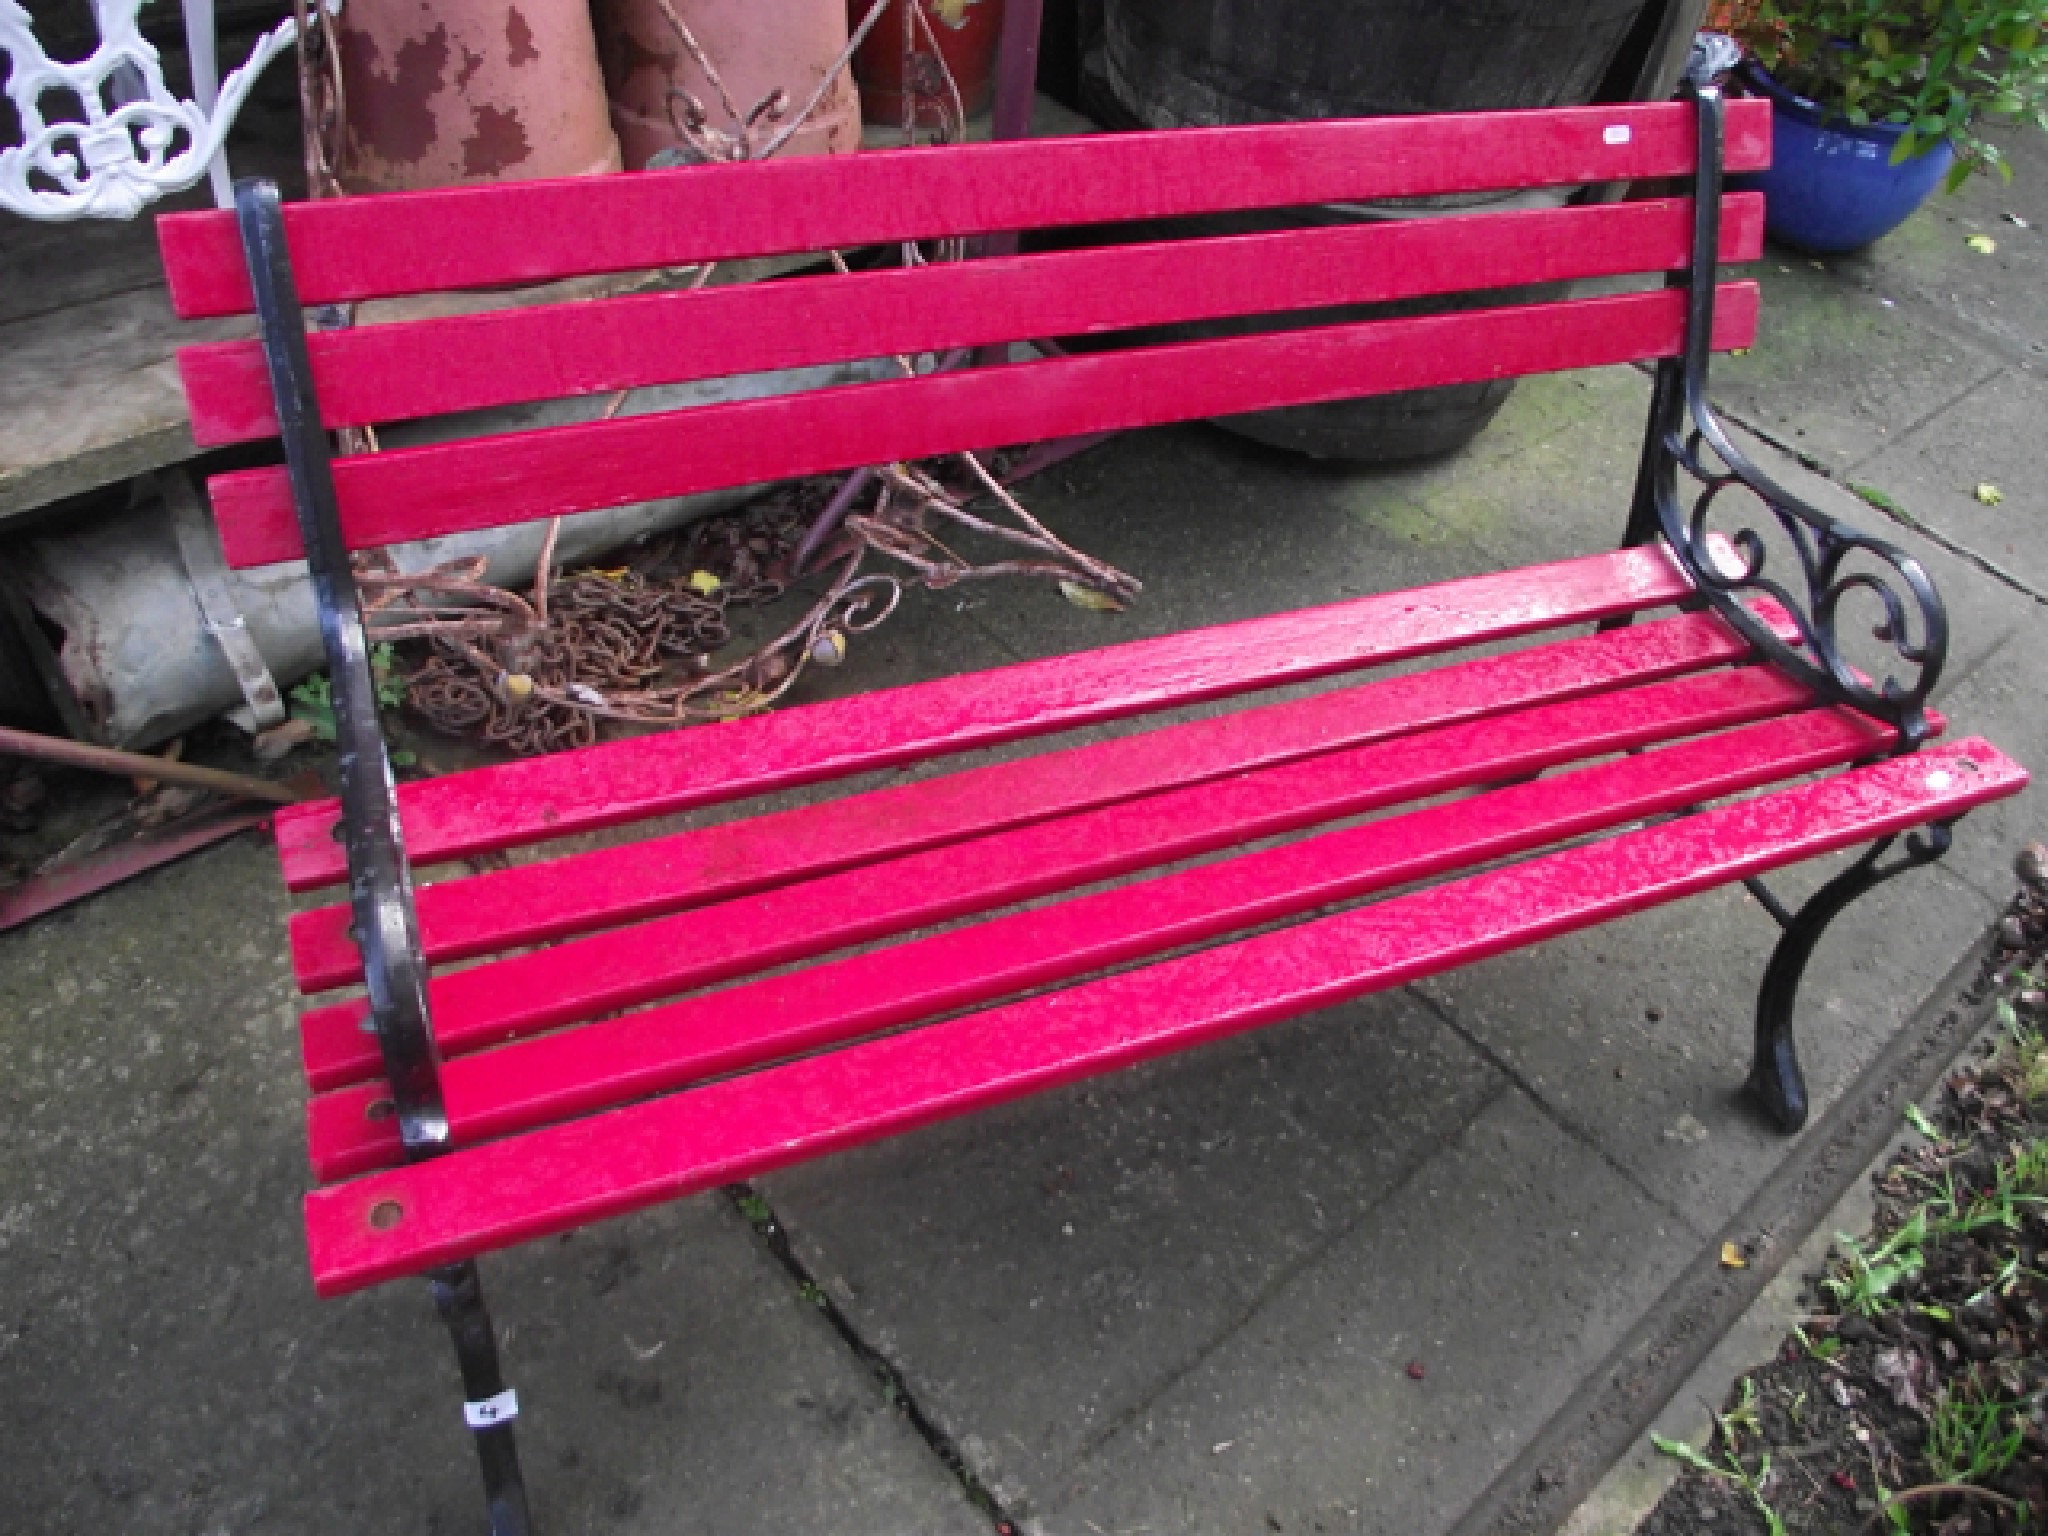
[{"x": 637, "y": 1026}]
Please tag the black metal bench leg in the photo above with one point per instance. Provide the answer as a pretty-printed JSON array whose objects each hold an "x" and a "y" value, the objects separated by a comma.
[
  {"x": 1774, "y": 1076},
  {"x": 488, "y": 1406}
]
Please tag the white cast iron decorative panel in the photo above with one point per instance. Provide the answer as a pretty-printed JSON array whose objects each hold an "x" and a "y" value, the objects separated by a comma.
[{"x": 137, "y": 141}]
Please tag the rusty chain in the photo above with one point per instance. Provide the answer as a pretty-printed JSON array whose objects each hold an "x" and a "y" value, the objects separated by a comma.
[{"x": 638, "y": 644}]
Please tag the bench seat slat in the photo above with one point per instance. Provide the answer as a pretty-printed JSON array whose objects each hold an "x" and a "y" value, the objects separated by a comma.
[
  {"x": 402, "y": 1221},
  {"x": 525, "y": 802},
  {"x": 626, "y": 966},
  {"x": 613, "y": 1061},
  {"x": 375, "y": 374},
  {"x": 350, "y": 249},
  {"x": 534, "y": 903},
  {"x": 449, "y": 488}
]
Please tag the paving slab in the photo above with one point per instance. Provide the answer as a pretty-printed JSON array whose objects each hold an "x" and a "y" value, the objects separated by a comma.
[
  {"x": 1039, "y": 1274},
  {"x": 1837, "y": 371},
  {"x": 1928, "y": 269},
  {"x": 1860, "y": 350},
  {"x": 1989, "y": 437},
  {"x": 165, "y": 1366},
  {"x": 1500, "y": 1271}
]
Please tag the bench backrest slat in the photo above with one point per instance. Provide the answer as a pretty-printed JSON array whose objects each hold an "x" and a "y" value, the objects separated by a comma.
[
  {"x": 378, "y": 374},
  {"x": 1299, "y": 278},
  {"x": 489, "y": 482},
  {"x": 475, "y": 237}
]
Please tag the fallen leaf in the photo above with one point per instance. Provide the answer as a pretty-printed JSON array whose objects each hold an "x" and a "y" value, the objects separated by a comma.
[
  {"x": 1989, "y": 494},
  {"x": 704, "y": 582},
  {"x": 1089, "y": 598},
  {"x": 1983, "y": 245},
  {"x": 1731, "y": 1256}
]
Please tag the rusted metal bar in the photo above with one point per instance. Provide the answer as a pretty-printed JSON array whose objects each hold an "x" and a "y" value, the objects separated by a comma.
[
  {"x": 1016, "y": 94},
  {"x": 138, "y": 765},
  {"x": 1017, "y": 68},
  {"x": 44, "y": 893}
]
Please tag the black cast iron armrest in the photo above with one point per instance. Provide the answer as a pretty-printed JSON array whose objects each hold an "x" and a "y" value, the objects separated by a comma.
[{"x": 1840, "y": 570}]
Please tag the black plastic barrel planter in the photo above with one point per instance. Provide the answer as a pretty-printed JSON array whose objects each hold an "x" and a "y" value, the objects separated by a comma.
[{"x": 1179, "y": 63}]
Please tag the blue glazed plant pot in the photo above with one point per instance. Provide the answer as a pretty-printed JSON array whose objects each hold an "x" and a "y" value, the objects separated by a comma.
[{"x": 1831, "y": 186}]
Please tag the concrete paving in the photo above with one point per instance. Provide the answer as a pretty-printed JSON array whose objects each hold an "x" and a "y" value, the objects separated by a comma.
[{"x": 1333, "y": 1277}]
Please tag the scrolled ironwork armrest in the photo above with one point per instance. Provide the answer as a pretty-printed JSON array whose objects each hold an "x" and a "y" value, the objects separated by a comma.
[
  {"x": 1835, "y": 562},
  {"x": 1839, "y": 566}
]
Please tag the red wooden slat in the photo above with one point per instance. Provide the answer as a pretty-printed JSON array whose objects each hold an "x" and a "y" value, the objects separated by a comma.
[
  {"x": 447, "y": 488},
  {"x": 598, "y": 1065},
  {"x": 536, "y": 231},
  {"x": 461, "y": 919},
  {"x": 409, "y": 1219},
  {"x": 625, "y": 966},
  {"x": 505, "y": 806},
  {"x": 384, "y": 373}
]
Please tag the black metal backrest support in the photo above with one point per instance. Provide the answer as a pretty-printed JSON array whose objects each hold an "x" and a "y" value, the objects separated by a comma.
[
  {"x": 380, "y": 880},
  {"x": 1836, "y": 562}
]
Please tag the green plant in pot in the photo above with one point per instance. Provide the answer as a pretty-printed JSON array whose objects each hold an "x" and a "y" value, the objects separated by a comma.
[{"x": 1877, "y": 102}]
